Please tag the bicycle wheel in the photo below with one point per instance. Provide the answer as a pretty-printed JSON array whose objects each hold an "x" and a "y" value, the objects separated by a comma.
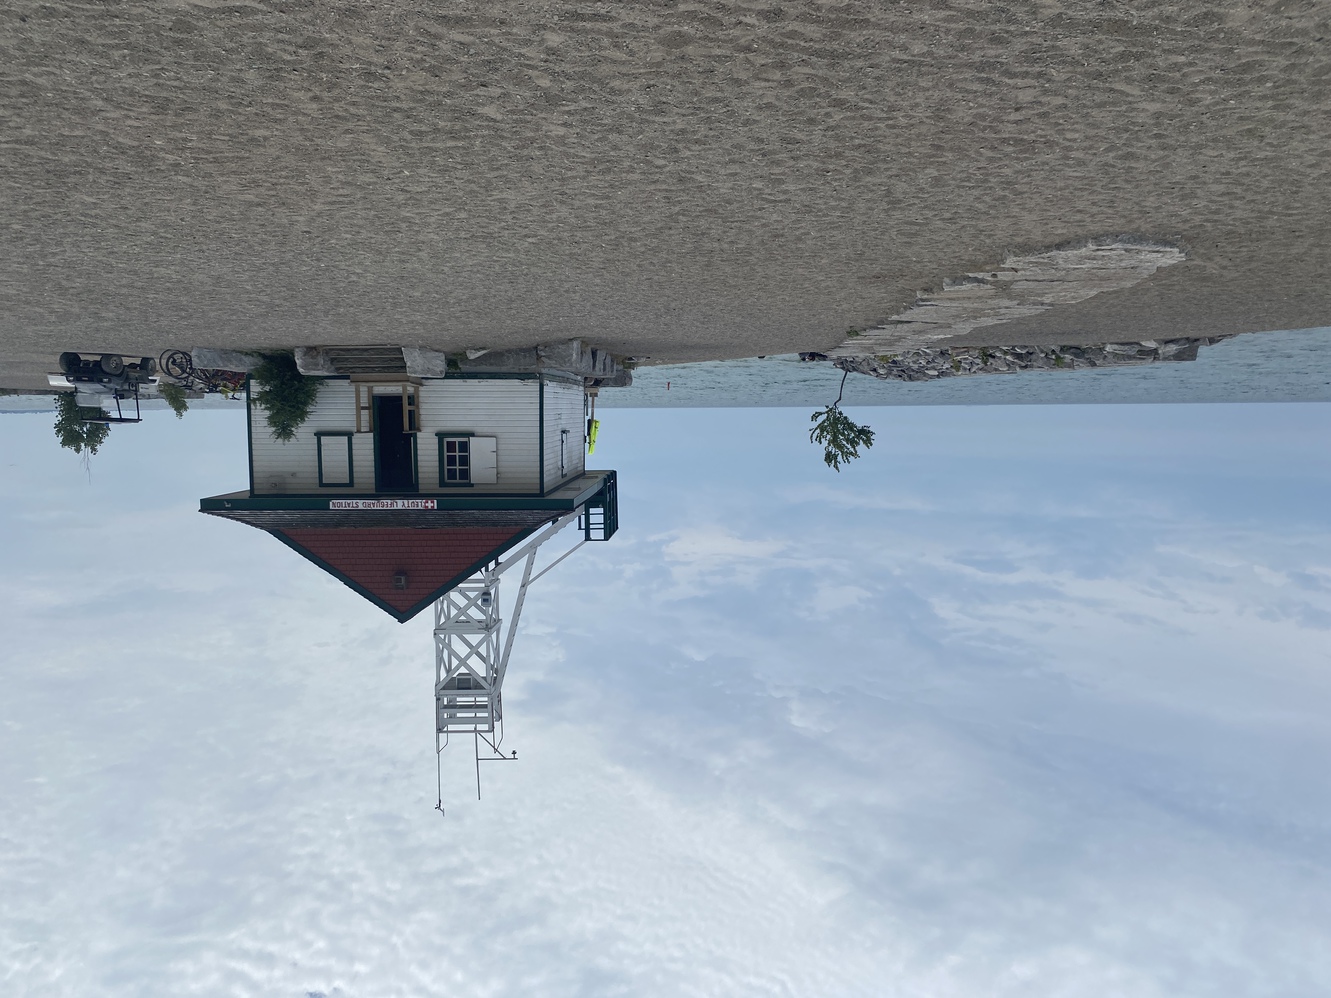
[{"x": 177, "y": 363}]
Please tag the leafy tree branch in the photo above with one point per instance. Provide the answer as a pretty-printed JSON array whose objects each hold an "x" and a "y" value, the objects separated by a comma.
[
  {"x": 840, "y": 436},
  {"x": 72, "y": 428},
  {"x": 175, "y": 398}
]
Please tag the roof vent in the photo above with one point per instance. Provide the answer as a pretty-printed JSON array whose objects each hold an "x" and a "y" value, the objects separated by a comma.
[{"x": 399, "y": 580}]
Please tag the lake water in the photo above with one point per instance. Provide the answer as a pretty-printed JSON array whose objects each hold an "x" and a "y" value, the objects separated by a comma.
[
  {"x": 1285, "y": 366},
  {"x": 44, "y": 403}
]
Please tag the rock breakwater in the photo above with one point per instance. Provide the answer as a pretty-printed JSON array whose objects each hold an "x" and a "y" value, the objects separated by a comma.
[
  {"x": 1023, "y": 285},
  {"x": 929, "y": 364}
]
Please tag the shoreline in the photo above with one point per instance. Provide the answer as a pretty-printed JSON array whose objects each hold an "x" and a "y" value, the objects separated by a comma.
[
  {"x": 1277, "y": 366},
  {"x": 1290, "y": 366}
]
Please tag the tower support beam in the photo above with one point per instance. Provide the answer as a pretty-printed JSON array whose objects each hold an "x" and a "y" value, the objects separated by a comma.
[{"x": 469, "y": 660}]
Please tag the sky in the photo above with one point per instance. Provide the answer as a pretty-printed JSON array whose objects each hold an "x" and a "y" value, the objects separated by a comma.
[{"x": 1028, "y": 701}]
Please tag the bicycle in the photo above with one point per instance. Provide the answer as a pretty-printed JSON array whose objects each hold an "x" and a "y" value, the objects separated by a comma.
[{"x": 179, "y": 366}]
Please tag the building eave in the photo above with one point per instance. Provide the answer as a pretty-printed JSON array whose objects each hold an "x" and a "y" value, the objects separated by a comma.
[
  {"x": 568, "y": 496},
  {"x": 402, "y": 616}
]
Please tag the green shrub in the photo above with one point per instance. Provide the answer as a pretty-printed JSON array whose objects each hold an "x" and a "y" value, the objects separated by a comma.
[
  {"x": 175, "y": 398},
  {"x": 72, "y": 429},
  {"x": 284, "y": 393}
]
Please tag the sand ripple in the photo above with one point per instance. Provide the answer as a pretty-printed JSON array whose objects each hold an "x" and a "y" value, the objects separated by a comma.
[{"x": 665, "y": 179}]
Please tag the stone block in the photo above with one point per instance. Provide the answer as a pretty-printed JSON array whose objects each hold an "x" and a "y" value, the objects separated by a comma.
[
  {"x": 576, "y": 357},
  {"x": 210, "y": 359},
  {"x": 621, "y": 380},
  {"x": 425, "y": 363},
  {"x": 315, "y": 361},
  {"x": 519, "y": 361}
]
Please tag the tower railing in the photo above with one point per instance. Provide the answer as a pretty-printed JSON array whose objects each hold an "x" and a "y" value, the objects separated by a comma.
[
  {"x": 600, "y": 516},
  {"x": 467, "y": 663}
]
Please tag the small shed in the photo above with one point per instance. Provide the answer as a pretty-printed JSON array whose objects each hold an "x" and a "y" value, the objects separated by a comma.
[{"x": 395, "y": 434}]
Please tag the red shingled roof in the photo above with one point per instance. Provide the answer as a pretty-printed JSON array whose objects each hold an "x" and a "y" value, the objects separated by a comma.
[{"x": 434, "y": 558}]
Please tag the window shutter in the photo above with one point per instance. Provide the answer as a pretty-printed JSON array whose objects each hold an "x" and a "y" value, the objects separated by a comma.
[{"x": 484, "y": 461}]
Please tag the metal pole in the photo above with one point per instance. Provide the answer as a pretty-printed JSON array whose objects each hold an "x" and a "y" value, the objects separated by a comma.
[
  {"x": 535, "y": 542},
  {"x": 555, "y": 562},
  {"x": 513, "y": 624}
]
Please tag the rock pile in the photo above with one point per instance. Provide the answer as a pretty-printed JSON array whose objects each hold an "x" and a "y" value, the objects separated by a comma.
[{"x": 925, "y": 364}]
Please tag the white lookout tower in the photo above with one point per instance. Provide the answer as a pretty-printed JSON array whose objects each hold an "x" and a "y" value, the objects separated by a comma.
[{"x": 472, "y": 646}]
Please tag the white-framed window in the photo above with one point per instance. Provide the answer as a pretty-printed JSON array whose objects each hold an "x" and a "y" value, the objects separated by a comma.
[
  {"x": 455, "y": 460},
  {"x": 467, "y": 460}
]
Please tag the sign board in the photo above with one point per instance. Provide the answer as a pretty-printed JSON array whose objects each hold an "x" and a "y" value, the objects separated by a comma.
[{"x": 382, "y": 504}]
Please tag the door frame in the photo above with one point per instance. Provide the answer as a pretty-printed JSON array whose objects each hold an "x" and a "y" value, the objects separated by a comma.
[{"x": 415, "y": 455}]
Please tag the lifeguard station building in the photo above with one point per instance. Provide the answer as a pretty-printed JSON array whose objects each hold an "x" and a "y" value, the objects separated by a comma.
[
  {"x": 416, "y": 491},
  {"x": 402, "y": 487}
]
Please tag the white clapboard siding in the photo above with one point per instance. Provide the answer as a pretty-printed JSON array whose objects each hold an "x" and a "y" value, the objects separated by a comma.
[
  {"x": 505, "y": 409},
  {"x": 293, "y": 467},
  {"x": 564, "y": 411}
]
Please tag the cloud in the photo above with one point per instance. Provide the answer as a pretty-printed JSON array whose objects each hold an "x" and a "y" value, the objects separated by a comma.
[
  {"x": 848, "y": 498},
  {"x": 713, "y": 546},
  {"x": 700, "y": 557},
  {"x": 789, "y": 748}
]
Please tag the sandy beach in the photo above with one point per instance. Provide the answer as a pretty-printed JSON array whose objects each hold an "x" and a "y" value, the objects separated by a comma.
[{"x": 667, "y": 180}]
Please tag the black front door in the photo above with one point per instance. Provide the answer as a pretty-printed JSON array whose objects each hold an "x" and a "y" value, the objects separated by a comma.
[{"x": 394, "y": 450}]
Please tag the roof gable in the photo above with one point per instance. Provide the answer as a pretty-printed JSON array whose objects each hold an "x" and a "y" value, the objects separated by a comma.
[{"x": 435, "y": 559}]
